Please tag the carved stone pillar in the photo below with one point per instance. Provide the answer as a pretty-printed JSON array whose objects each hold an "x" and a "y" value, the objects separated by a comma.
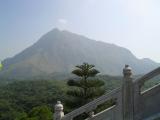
[
  {"x": 127, "y": 98},
  {"x": 58, "y": 109}
]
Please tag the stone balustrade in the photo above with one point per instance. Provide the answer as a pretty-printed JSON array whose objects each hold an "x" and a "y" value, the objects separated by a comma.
[
  {"x": 131, "y": 103},
  {"x": 92, "y": 105}
]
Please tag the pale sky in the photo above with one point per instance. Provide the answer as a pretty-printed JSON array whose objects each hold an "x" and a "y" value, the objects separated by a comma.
[{"x": 133, "y": 24}]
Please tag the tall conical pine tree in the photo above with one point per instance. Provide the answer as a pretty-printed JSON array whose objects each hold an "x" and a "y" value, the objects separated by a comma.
[{"x": 85, "y": 88}]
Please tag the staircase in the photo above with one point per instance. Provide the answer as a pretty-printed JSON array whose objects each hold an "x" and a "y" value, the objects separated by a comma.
[{"x": 131, "y": 102}]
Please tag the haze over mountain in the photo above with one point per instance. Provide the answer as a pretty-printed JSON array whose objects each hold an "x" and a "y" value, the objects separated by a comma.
[{"x": 58, "y": 52}]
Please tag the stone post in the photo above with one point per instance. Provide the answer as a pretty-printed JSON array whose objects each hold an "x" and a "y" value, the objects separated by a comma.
[
  {"x": 58, "y": 109},
  {"x": 127, "y": 94},
  {"x": 91, "y": 114}
]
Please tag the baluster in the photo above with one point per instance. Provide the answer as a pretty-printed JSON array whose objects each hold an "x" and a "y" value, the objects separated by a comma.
[{"x": 59, "y": 114}]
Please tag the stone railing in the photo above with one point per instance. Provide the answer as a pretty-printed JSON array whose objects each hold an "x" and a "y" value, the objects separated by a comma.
[
  {"x": 131, "y": 103},
  {"x": 114, "y": 111},
  {"x": 93, "y": 105},
  {"x": 88, "y": 107},
  {"x": 146, "y": 103},
  {"x": 140, "y": 81}
]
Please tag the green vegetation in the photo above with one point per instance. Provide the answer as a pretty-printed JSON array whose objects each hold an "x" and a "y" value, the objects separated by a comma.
[
  {"x": 22, "y": 98},
  {"x": 1, "y": 66},
  {"x": 35, "y": 99},
  {"x": 19, "y": 98},
  {"x": 85, "y": 88}
]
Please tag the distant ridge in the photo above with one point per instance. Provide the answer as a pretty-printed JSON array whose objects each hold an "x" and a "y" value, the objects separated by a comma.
[{"x": 59, "y": 51}]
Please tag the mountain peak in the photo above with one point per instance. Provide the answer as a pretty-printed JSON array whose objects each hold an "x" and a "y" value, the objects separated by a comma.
[
  {"x": 59, "y": 51},
  {"x": 59, "y": 30},
  {"x": 56, "y": 30}
]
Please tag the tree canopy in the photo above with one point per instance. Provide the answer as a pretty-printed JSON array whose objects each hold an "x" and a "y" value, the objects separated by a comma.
[{"x": 84, "y": 88}]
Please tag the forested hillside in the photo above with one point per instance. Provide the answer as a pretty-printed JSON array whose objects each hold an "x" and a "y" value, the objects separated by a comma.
[
  {"x": 30, "y": 99},
  {"x": 35, "y": 99}
]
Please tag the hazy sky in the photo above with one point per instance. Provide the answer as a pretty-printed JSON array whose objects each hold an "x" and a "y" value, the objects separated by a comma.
[{"x": 133, "y": 24}]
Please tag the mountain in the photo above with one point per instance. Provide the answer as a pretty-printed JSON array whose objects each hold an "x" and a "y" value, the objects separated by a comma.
[{"x": 58, "y": 52}]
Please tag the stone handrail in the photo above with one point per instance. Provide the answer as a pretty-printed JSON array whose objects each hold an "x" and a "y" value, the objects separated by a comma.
[
  {"x": 148, "y": 76},
  {"x": 130, "y": 101},
  {"x": 100, "y": 115},
  {"x": 143, "y": 99},
  {"x": 92, "y": 105},
  {"x": 148, "y": 91}
]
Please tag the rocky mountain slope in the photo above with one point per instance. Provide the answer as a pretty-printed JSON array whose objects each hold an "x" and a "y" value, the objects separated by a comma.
[{"x": 58, "y": 52}]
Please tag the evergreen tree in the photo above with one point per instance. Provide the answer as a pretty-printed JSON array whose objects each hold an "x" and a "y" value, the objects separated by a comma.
[
  {"x": 40, "y": 113},
  {"x": 85, "y": 88}
]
